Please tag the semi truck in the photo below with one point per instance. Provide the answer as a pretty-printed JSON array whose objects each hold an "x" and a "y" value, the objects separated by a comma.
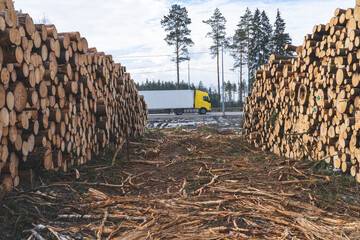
[{"x": 179, "y": 101}]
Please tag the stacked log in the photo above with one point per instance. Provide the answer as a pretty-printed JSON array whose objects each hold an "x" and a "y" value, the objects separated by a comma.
[
  {"x": 309, "y": 106},
  {"x": 60, "y": 101}
]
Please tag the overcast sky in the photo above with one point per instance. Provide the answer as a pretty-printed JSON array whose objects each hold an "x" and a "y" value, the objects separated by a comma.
[{"x": 130, "y": 30}]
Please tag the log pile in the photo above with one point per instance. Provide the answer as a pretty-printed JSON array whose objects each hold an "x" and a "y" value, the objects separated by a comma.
[
  {"x": 309, "y": 106},
  {"x": 60, "y": 101}
]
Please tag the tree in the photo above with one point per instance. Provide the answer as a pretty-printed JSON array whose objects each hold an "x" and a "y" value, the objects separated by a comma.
[
  {"x": 255, "y": 45},
  {"x": 265, "y": 38},
  {"x": 43, "y": 20},
  {"x": 213, "y": 98},
  {"x": 201, "y": 86},
  {"x": 217, "y": 23},
  {"x": 280, "y": 38},
  {"x": 240, "y": 48},
  {"x": 234, "y": 90},
  {"x": 228, "y": 90},
  {"x": 176, "y": 24},
  {"x": 247, "y": 18},
  {"x": 162, "y": 85}
]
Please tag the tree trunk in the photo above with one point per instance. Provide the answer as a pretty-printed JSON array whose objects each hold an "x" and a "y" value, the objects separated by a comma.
[
  {"x": 218, "y": 71},
  {"x": 240, "y": 84},
  {"x": 248, "y": 53},
  {"x": 230, "y": 97},
  {"x": 177, "y": 65}
]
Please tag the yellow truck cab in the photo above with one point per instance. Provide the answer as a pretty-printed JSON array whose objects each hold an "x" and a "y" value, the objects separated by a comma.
[{"x": 202, "y": 102}]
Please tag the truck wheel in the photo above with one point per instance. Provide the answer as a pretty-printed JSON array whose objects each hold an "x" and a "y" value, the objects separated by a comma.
[
  {"x": 202, "y": 111},
  {"x": 179, "y": 111}
]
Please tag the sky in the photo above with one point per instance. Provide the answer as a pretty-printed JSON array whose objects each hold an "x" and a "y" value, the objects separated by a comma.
[{"x": 130, "y": 30}]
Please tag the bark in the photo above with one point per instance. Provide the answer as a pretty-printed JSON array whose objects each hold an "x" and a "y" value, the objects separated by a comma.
[
  {"x": 218, "y": 71},
  {"x": 177, "y": 66},
  {"x": 248, "y": 62},
  {"x": 240, "y": 84}
]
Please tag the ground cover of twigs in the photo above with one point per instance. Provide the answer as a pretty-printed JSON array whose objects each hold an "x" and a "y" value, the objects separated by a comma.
[{"x": 182, "y": 184}]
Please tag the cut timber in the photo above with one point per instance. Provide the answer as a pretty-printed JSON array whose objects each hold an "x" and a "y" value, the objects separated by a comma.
[
  {"x": 357, "y": 13},
  {"x": 9, "y": 37},
  {"x": 20, "y": 97},
  {"x": 27, "y": 21},
  {"x": 314, "y": 97},
  {"x": 2, "y": 96},
  {"x": 4, "y": 117},
  {"x": 13, "y": 55},
  {"x": 59, "y": 101},
  {"x": 303, "y": 95},
  {"x": 290, "y": 47}
]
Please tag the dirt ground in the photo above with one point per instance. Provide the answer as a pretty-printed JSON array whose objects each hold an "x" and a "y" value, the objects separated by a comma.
[{"x": 182, "y": 184}]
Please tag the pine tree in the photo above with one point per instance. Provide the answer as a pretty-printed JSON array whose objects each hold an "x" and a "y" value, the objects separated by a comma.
[
  {"x": 255, "y": 45},
  {"x": 176, "y": 24},
  {"x": 234, "y": 88},
  {"x": 240, "y": 48},
  {"x": 201, "y": 86},
  {"x": 217, "y": 23},
  {"x": 265, "y": 38},
  {"x": 228, "y": 89},
  {"x": 280, "y": 38}
]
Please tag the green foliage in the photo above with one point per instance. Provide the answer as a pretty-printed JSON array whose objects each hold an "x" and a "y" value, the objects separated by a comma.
[
  {"x": 255, "y": 39},
  {"x": 162, "y": 85},
  {"x": 202, "y": 87},
  {"x": 230, "y": 89},
  {"x": 242, "y": 122},
  {"x": 12, "y": 215},
  {"x": 265, "y": 38},
  {"x": 255, "y": 43},
  {"x": 176, "y": 25},
  {"x": 195, "y": 185},
  {"x": 239, "y": 50},
  {"x": 280, "y": 38},
  {"x": 240, "y": 46},
  {"x": 209, "y": 130},
  {"x": 218, "y": 34}
]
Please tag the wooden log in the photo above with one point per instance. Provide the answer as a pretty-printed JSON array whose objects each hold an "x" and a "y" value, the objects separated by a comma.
[
  {"x": 26, "y": 20},
  {"x": 20, "y": 97},
  {"x": 51, "y": 31},
  {"x": 41, "y": 28},
  {"x": 13, "y": 55},
  {"x": 54, "y": 90},
  {"x": 10, "y": 36}
]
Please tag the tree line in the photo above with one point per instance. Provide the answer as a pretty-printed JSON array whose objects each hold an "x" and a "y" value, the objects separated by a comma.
[
  {"x": 254, "y": 39},
  {"x": 231, "y": 89}
]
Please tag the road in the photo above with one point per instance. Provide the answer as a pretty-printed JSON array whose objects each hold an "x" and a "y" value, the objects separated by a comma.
[
  {"x": 194, "y": 115},
  {"x": 231, "y": 120}
]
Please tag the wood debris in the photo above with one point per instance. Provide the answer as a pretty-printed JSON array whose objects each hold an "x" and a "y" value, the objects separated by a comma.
[{"x": 249, "y": 202}]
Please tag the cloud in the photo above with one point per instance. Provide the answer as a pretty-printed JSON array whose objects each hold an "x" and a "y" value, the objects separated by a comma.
[{"x": 132, "y": 28}]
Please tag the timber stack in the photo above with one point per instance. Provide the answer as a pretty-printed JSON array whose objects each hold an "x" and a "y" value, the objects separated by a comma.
[
  {"x": 309, "y": 105},
  {"x": 60, "y": 101}
]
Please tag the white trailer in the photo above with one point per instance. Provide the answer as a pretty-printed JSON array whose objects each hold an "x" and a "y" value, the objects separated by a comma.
[{"x": 177, "y": 100}]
